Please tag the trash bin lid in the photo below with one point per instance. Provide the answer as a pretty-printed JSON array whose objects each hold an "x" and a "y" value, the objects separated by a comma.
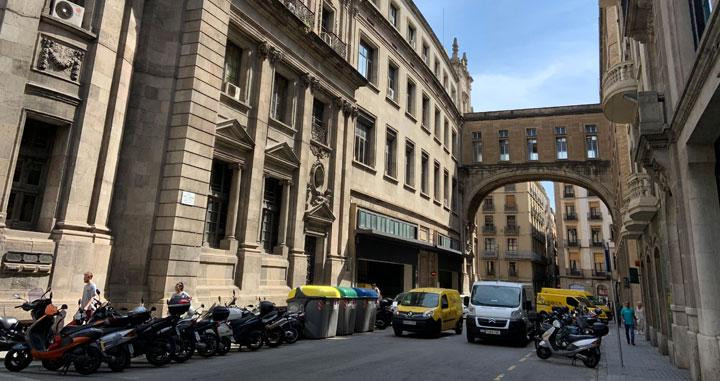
[
  {"x": 347, "y": 292},
  {"x": 366, "y": 293},
  {"x": 314, "y": 292}
]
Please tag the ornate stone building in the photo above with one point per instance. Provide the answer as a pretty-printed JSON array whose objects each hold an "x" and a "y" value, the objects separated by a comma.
[
  {"x": 659, "y": 66},
  {"x": 246, "y": 146}
]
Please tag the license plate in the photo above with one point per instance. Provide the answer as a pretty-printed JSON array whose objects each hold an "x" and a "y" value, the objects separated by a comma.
[
  {"x": 490, "y": 331},
  {"x": 197, "y": 336},
  {"x": 410, "y": 322}
]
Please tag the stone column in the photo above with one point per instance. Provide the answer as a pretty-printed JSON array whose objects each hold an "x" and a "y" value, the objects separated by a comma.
[
  {"x": 249, "y": 259},
  {"x": 18, "y": 35},
  {"x": 282, "y": 247},
  {"x": 230, "y": 241},
  {"x": 334, "y": 263},
  {"x": 701, "y": 200}
]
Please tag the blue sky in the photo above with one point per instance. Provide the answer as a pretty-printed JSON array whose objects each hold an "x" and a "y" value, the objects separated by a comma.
[{"x": 523, "y": 53}]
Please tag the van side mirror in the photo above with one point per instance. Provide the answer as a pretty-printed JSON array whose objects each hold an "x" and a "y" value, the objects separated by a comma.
[{"x": 466, "y": 301}]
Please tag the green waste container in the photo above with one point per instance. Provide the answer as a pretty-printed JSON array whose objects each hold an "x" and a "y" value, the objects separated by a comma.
[
  {"x": 320, "y": 305},
  {"x": 346, "y": 313},
  {"x": 365, "y": 310}
]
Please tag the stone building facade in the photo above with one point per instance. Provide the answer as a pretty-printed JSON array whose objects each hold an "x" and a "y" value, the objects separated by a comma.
[
  {"x": 585, "y": 235},
  {"x": 514, "y": 236},
  {"x": 659, "y": 65},
  {"x": 246, "y": 146}
]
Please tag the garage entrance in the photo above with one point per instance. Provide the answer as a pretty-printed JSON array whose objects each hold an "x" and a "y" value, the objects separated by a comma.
[{"x": 389, "y": 277}]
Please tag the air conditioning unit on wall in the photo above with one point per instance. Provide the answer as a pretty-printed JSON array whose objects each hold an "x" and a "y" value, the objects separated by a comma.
[
  {"x": 68, "y": 11},
  {"x": 232, "y": 91}
]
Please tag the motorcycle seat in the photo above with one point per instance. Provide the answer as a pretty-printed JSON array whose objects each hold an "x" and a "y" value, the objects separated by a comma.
[
  {"x": 7, "y": 322},
  {"x": 572, "y": 337},
  {"x": 71, "y": 329}
]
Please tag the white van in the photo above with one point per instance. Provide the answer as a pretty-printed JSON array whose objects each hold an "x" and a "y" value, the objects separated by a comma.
[{"x": 499, "y": 310}]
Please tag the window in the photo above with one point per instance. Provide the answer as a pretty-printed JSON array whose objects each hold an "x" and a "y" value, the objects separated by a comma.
[
  {"x": 512, "y": 244},
  {"x": 424, "y": 171},
  {"x": 596, "y": 235},
  {"x": 568, "y": 191},
  {"x": 393, "y": 15},
  {"x": 411, "y": 35},
  {"x": 454, "y": 143},
  {"x": 490, "y": 244},
  {"x": 504, "y": 145},
  {"x": 591, "y": 141},
  {"x": 436, "y": 177},
  {"x": 366, "y": 61},
  {"x": 270, "y": 214},
  {"x": 28, "y": 183},
  {"x": 426, "y": 54},
  {"x": 438, "y": 123},
  {"x": 363, "y": 140},
  {"x": 572, "y": 235},
  {"x": 488, "y": 204},
  {"x": 532, "y": 146},
  {"x": 445, "y": 81},
  {"x": 319, "y": 126},
  {"x": 490, "y": 267},
  {"x": 570, "y": 211},
  {"x": 278, "y": 106},
  {"x": 437, "y": 67},
  {"x": 409, "y": 163},
  {"x": 390, "y": 149},
  {"x": 217, "y": 203},
  {"x": 425, "y": 111},
  {"x": 595, "y": 212},
  {"x": 561, "y": 148},
  {"x": 477, "y": 146},
  {"x": 559, "y": 130},
  {"x": 512, "y": 269},
  {"x": 599, "y": 262},
  {"x": 510, "y": 188},
  {"x": 574, "y": 262},
  {"x": 392, "y": 82},
  {"x": 700, "y": 11},
  {"x": 511, "y": 220},
  {"x": 446, "y": 188},
  {"x": 410, "y": 102},
  {"x": 327, "y": 19},
  {"x": 446, "y": 134},
  {"x": 233, "y": 62},
  {"x": 453, "y": 195},
  {"x": 489, "y": 221}
]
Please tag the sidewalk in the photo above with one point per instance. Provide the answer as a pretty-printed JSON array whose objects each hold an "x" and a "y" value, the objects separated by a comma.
[{"x": 642, "y": 361}]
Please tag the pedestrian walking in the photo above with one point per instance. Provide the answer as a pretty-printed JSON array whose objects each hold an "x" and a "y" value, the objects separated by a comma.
[
  {"x": 640, "y": 314},
  {"x": 88, "y": 295},
  {"x": 180, "y": 292},
  {"x": 629, "y": 319},
  {"x": 377, "y": 291}
]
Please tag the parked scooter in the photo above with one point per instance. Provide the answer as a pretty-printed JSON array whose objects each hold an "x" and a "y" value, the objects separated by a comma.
[
  {"x": 557, "y": 341},
  {"x": 12, "y": 331},
  {"x": 383, "y": 317}
]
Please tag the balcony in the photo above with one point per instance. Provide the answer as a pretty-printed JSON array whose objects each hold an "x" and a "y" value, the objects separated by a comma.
[
  {"x": 319, "y": 132},
  {"x": 489, "y": 229},
  {"x": 568, "y": 194},
  {"x": 489, "y": 254},
  {"x": 334, "y": 41},
  {"x": 511, "y": 208},
  {"x": 570, "y": 217},
  {"x": 641, "y": 205},
  {"x": 572, "y": 243},
  {"x": 511, "y": 230},
  {"x": 597, "y": 244},
  {"x": 486, "y": 207},
  {"x": 595, "y": 216},
  {"x": 601, "y": 274},
  {"x": 619, "y": 93},
  {"x": 574, "y": 272},
  {"x": 515, "y": 255},
  {"x": 299, "y": 9}
]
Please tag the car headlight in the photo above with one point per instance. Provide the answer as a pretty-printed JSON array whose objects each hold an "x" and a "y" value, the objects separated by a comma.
[
  {"x": 517, "y": 314},
  {"x": 428, "y": 313}
]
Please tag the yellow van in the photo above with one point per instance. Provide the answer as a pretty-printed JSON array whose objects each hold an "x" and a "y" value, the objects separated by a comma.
[
  {"x": 606, "y": 311},
  {"x": 429, "y": 310}
]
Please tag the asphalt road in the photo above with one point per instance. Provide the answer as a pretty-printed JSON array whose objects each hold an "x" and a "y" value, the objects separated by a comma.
[{"x": 377, "y": 355}]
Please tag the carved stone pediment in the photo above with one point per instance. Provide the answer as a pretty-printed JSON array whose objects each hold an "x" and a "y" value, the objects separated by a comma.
[
  {"x": 233, "y": 133},
  {"x": 320, "y": 214},
  {"x": 283, "y": 155}
]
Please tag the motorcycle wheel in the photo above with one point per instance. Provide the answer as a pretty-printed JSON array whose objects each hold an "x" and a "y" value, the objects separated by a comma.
[
  {"x": 210, "y": 340},
  {"x": 88, "y": 363},
  {"x": 16, "y": 361},
  {"x": 592, "y": 358},
  {"x": 255, "y": 340},
  {"x": 184, "y": 350},
  {"x": 380, "y": 324},
  {"x": 543, "y": 353},
  {"x": 120, "y": 361},
  {"x": 291, "y": 335},
  {"x": 224, "y": 346},
  {"x": 398, "y": 331},
  {"x": 160, "y": 351},
  {"x": 274, "y": 338},
  {"x": 52, "y": 365}
]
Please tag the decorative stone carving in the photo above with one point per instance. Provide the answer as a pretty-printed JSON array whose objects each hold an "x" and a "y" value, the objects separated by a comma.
[
  {"x": 469, "y": 237},
  {"x": 317, "y": 198},
  {"x": 263, "y": 49},
  {"x": 319, "y": 151},
  {"x": 59, "y": 59},
  {"x": 275, "y": 55},
  {"x": 310, "y": 81}
]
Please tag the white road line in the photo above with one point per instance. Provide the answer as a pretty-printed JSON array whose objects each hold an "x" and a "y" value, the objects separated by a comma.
[
  {"x": 511, "y": 368},
  {"x": 499, "y": 377},
  {"x": 523, "y": 359}
]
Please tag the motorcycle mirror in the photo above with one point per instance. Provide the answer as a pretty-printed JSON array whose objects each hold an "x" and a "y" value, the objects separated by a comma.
[
  {"x": 64, "y": 307},
  {"x": 233, "y": 293},
  {"x": 79, "y": 301},
  {"x": 218, "y": 298},
  {"x": 202, "y": 306},
  {"x": 16, "y": 296}
]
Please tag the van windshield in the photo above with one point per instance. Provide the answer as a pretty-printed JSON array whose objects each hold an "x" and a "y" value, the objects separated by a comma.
[
  {"x": 420, "y": 299},
  {"x": 587, "y": 302},
  {"x": 495, "y": 296}
]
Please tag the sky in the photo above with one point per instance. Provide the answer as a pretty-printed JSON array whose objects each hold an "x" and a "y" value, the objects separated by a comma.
[{"x": 523, "y": 53}]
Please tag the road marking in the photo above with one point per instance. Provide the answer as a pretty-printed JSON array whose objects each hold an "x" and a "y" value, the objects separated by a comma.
[
  {"x": 499, "y": 377},
  {"x": 511, "y": 368},
  {"x": 523, "y": 359},
  {"x": 528, "y": 355}
]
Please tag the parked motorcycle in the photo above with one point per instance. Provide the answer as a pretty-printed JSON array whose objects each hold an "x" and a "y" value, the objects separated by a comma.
[
  {"x": 558, "y": 341},
  {"x": 383, "y": 317},
  {"x": 12, "y": 331}
]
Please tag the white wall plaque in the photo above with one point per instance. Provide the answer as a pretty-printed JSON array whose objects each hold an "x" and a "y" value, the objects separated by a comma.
[{"x": 187, "y": 198}]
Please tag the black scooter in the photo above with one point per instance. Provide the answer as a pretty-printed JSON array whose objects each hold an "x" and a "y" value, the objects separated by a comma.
[{"x": 383, "y": 317}]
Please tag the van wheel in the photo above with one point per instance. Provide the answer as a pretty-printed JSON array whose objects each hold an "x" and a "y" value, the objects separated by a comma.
[
  {"x": 438, "y": 331},
  {"x": 459, "y": 327},
  {"x": 398, "y": 331}
]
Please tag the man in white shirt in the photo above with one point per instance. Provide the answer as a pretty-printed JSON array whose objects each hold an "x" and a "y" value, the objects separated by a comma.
[{"x": 89, "y": 292}]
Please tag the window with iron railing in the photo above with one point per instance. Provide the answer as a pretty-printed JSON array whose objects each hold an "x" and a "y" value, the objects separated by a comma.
[{"x": 319, "y": 131}]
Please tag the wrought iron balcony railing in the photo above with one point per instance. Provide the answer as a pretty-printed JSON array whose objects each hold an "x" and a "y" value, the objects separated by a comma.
[
  {"x": 319, "y": 132},
  {"x": 572, "y": 243},
  {"x": 299, "y": 9},
  {"x": 489, "y": 229},
  {"x": 570, "y": 217},
  {"x": 334, "y": 41},
  {"x": 511, "y": 230}
]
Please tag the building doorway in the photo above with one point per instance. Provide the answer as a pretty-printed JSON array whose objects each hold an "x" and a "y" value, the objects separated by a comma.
[{"x": 389, "y": 277}]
